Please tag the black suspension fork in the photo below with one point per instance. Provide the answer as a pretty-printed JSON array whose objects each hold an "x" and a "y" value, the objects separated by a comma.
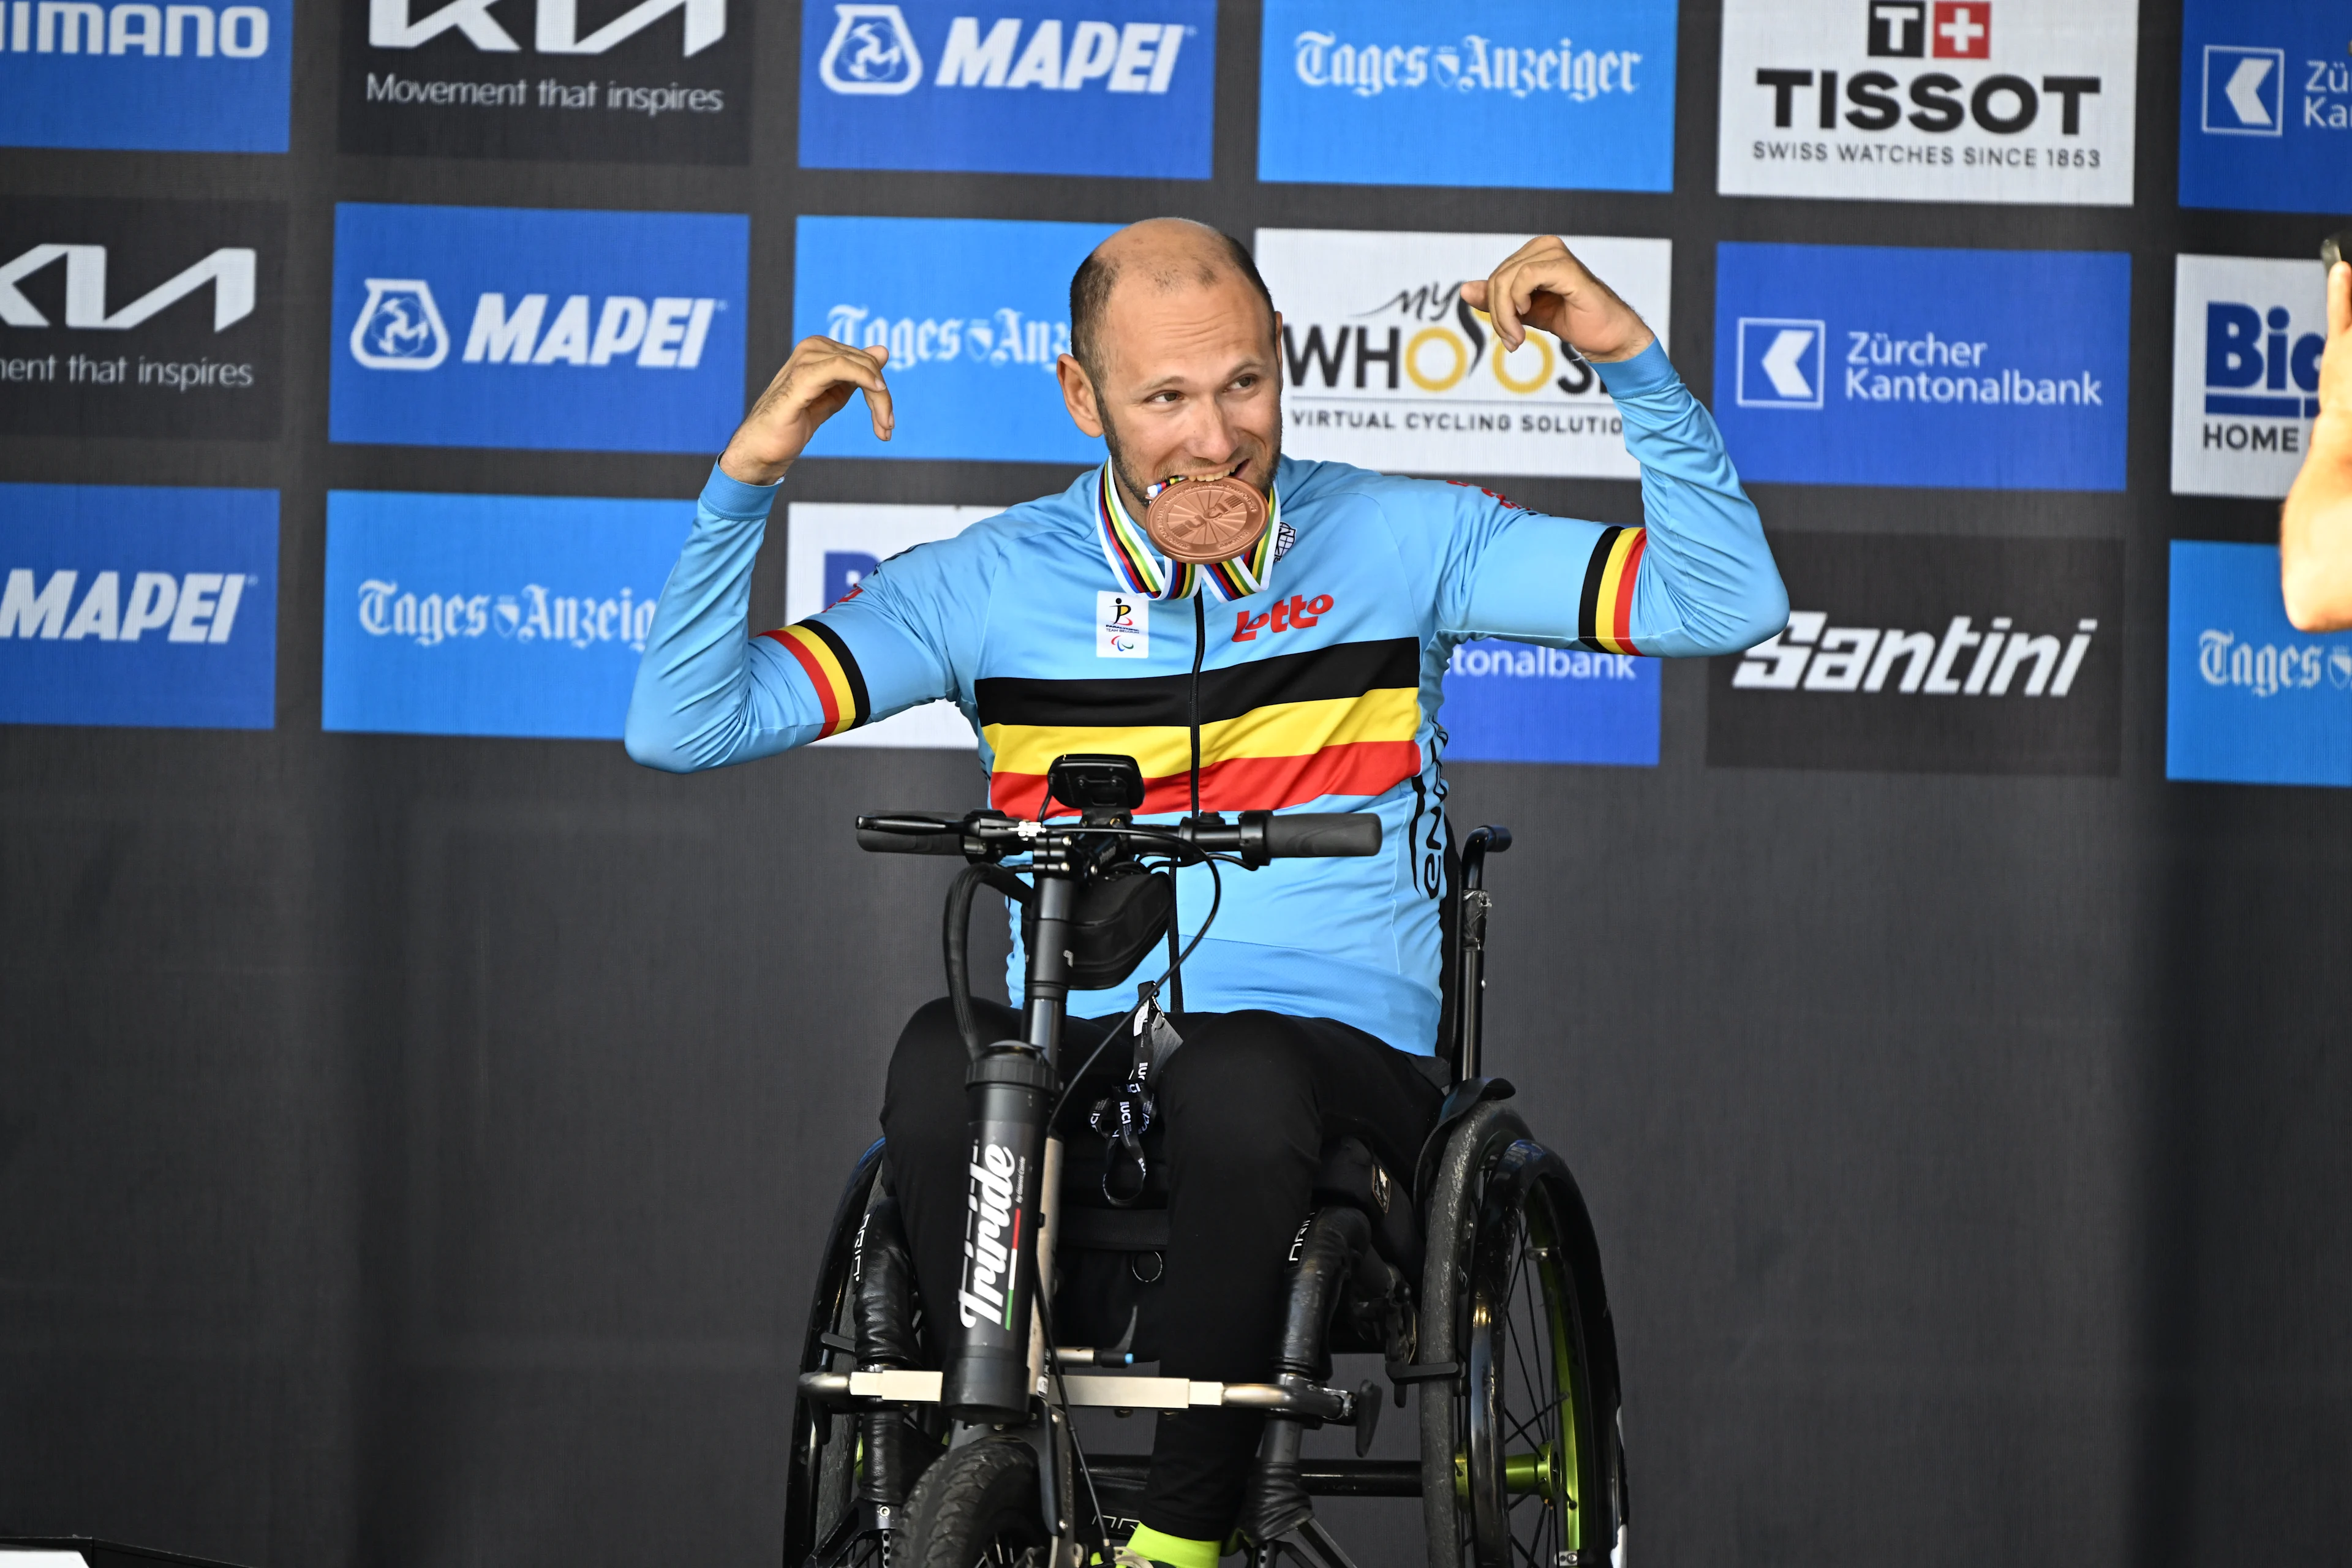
[{"x": 1007, "y": 1250}]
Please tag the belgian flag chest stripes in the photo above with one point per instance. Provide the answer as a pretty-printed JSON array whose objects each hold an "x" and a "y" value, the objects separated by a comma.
[{"x": 1276, "y": 730}]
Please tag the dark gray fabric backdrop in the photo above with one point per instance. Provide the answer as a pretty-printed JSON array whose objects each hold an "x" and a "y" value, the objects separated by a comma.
[{"x": 411, "y": 1150}]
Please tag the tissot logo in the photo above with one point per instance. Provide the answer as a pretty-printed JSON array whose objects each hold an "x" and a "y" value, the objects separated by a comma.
[
  {"x": 130, "y": 605},
  {"x": 1118, "y": 86},
  {"x": 139, "y": 318},
  {"x": 1924, "y": 653},
  {"x": 2247, "y": 337},
  {"x": 463, "y": 326},
  {"x": 656, "y": 81},
  {"x": 2036, "y": 108}
]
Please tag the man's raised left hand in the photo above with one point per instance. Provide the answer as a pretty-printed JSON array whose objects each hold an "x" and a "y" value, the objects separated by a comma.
[{"x": 1543, "y": 285}]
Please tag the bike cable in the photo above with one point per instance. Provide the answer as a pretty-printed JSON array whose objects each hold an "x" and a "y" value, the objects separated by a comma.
[{"x": 1126, "y": 1024}]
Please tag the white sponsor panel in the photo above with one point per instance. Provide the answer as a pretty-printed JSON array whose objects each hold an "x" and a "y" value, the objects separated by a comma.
[
  {"x": 2246, "y": 339},
  {"x": 823, "y": 547},
  {"x": 1384, "y": 366},
  {"x": 1929, "y": 101}
]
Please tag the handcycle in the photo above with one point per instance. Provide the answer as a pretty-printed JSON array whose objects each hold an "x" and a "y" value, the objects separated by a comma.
[{"x": 1476, "y": 1276}]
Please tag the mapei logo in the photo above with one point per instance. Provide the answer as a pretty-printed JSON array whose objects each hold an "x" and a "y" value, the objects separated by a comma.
[
  {"x": 555, "y": 28},
  {"x": 1780, "y": 362},
  {"x": 185, "y": 607},
  {"x": 873, "y": 52},
  {"x": 400, "y": 328},
  {"x": 1813, "y": 656},
  {"x": 230, "y": 270},
  {"x": 1950, "y": 30},
  {"x": 83, "y": 27},
  {"x": 2245, "y": 91}
]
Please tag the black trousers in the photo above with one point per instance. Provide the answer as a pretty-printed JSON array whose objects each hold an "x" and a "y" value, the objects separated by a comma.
[{"x": 1245, "y": 1108}]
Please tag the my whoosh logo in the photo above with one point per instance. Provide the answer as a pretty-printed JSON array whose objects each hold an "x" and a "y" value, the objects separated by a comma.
[
  {"x": 872, "y": 53},
  {"x": 991, "y": 1244}
]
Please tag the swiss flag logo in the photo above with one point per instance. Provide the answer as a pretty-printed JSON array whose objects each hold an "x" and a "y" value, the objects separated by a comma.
[{"x": 1962, "y": 30}]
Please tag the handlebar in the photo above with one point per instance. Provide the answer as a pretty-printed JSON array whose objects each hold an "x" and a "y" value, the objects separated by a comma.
[{"x": 1257, "y": 836}]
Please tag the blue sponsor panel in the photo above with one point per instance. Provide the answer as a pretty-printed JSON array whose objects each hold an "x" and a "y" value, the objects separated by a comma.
[
  {"x": 452, "y": 615},
  {"x": 2265, "y": 106},
  {"x": 138, "y": 604},
  {"x": 1062, "y": 86},
  {"x": 2249, "y": 698},
  {"x": 1967, "y": 369},
  {"x": 975, "y": 313},
  {"x": 1513, "y": 702},
  {"x": 146, "y": 78},
  {"x": 507, "y": 327},
  {"x": 1544, "y": 94}
]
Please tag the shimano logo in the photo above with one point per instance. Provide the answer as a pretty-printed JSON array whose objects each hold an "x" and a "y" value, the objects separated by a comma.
[
  {"x": 82, "y": 27},
  {"x": 400, "y": 328},
  {"x": 1810, "y": 655},
  {"x": 1476, "y": 64},
  {"x": 536, "y": 615},
  {"x": 555, "y": 29},
  {"x": 991, "y": 1245},
  {"x": 1002, "y": 339},
  {"x": 230, "y": 270},
  {"x": 190, "y": 607},
  {"x": 873, "y": 52}
]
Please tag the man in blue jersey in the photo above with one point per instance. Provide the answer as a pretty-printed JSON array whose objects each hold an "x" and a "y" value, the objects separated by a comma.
[{"x": 1311, "y": 658}]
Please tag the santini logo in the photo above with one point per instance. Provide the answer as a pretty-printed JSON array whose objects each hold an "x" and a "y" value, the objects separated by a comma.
[
  {"x": 1813, "y": 656},
  {"x": 872, "y": 53},
  {"x": 537, "y": 614},
  {"x": 197, "y": 607},
  {"x": 229, "y": 269},
  {"x": 400, "y": 328},
  {"x": 81, "y": 27},
  {"x": 556, "y": 29}
]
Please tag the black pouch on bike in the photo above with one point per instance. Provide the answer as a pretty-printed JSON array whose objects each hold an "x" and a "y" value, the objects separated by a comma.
[{"x": 1118, "y": 921}]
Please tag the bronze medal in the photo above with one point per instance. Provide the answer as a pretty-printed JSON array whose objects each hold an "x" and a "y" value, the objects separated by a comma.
[{"x": 1201, "y": 521}]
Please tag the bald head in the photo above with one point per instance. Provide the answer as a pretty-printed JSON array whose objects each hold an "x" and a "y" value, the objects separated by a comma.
[{"x": 1165, "y": 255}]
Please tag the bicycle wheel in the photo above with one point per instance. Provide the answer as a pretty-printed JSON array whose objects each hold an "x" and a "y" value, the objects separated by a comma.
[
  {"x": 1522, "y": 1458},
  {"x": 978, "y": 1508}
]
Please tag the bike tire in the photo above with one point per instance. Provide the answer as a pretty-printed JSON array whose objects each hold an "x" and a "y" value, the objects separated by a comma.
[
  {"x": 978, "y": 1507},
  {"x": 1523, "y": 1454}
]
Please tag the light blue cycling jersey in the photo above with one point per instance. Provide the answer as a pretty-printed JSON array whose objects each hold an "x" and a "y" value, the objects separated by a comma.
[{"x": 1056, "y": 628}]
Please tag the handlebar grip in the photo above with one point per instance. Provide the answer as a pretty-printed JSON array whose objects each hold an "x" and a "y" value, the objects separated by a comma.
[
  {"x": 908, "y": 834},
  {"x": 1322, "y": 834}
]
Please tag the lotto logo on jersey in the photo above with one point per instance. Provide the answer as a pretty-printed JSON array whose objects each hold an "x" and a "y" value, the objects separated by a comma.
[
  {"x": 2247, "y": 335},
  {"x": 451, "y": 614},
  {"x": 2249, "y": 698},
  {"x": 493, "y": 327},
  {"x": 1394, "y": 92},
  {"x": 1977, "y": 369},
  {"x": 831, "y": 548},
  {"x": 137, "y": 605},
  {"x": 2266, "y": 107},
  {"x": 1068, "y": 87},
  {"x": 975, "y": 313},
  {"x": 1384, "y": 366},
  {"x": 1939, "y": 100},
  {"x": 146, "y": 78}
]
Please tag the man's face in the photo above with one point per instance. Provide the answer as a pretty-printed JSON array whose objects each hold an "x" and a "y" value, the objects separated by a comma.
[{"x": 1188, "y": 387}]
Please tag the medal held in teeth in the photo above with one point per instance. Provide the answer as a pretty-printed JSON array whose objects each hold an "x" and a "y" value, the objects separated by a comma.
[{"x": 1201, "y": 521}]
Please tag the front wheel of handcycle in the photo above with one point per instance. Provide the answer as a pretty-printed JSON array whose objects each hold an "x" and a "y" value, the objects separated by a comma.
[
  {"x": 1523, "y": 1461},
  {"x": 978, "y": 1507}
]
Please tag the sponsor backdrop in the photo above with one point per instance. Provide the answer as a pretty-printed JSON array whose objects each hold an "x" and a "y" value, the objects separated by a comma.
[{"x": 415, "y": 1118}]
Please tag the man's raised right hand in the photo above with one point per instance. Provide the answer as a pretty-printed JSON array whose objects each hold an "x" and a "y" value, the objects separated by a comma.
[{"x": 815, "y": 383}]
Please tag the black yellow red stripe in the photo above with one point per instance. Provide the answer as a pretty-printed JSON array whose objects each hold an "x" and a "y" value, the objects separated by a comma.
[
  {"x": 831, "y": 668},
  {"x": 1274, "y": 732},
  {"x": 1604, "y": 613}
]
